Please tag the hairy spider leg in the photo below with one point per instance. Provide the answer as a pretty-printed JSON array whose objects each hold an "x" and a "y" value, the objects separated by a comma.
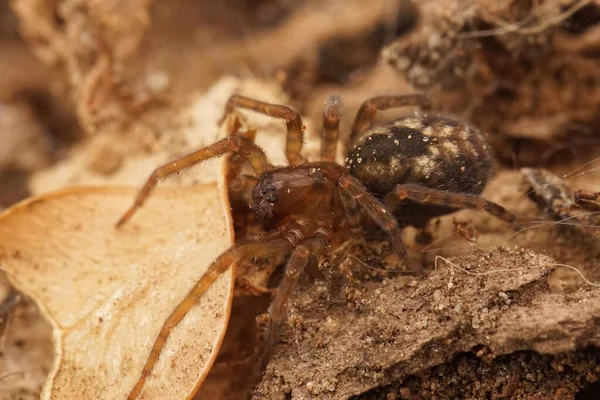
[
  {"x": 254, "y": 154},
  {"x": 331, "y": 128},
  {"x": 217, "y": 268},
  {"x": 366, "y": 112},
  {"x": 587, "y": 200},
  {"x": 380, "y": 215},
  {"x": 293, "y": 269},
  {"x": 352, "y": 217},
  {"x": 295, "y": 128},
  {"x": 238, "y": 181},
  {"x": 425, "y": 195}
]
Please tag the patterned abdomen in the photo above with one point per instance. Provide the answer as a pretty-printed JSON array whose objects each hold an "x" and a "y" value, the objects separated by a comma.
[{"x": 432, "y": 151}]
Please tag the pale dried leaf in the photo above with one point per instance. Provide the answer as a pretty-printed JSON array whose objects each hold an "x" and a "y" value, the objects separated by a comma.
[
  {"x": 26, "y": 346},
  {"x": 107, "y": 292}
]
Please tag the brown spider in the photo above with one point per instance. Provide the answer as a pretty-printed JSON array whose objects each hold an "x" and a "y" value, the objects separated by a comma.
[{"x": 399, "y": 173}]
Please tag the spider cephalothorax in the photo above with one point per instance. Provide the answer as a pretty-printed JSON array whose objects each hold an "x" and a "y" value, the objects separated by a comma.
[
  {"x": 399, "y": 173},
  {"x": 297, "y": 191}
]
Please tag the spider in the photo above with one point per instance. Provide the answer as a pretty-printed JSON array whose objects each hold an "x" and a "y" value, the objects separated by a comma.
[
  {"x": 553, "y": 195},
  {"x": 400, "y": 173}
]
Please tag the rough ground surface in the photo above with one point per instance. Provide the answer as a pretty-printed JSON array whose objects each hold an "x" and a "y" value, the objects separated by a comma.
[
  {"x": 473, "y": 315},
  {"x": 87, "y": 99},
  {"x": 525, "y": 71}
]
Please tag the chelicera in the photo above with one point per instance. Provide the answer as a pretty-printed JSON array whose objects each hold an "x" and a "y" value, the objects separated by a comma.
[{"x": 400, "y": 173}]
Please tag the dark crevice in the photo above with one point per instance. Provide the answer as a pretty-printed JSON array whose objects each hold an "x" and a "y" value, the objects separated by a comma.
[
  {"x": 13, "y": 186},
  {"x": 589, "y": 392},
  {"x": 518, "y": 375},
  {"x": 585, "y": 18}
]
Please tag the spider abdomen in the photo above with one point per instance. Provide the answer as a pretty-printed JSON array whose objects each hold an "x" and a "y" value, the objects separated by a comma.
[{"x": 433, "y": 151}]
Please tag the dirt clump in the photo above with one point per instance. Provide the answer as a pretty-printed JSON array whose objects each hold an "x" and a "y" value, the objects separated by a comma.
[
  {"x": 521, "y": 375},
  {"x": 523, "y": 71},
  {"x": 483, "y": 308}
]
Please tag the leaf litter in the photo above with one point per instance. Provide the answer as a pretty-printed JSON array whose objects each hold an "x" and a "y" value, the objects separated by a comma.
[{"x": 107, "y": 292}]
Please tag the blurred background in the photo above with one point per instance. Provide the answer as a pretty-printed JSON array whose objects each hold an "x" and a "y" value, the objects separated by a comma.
[
  {"x": 92, "y": 90},
  {"x": 75, "y": 72}
]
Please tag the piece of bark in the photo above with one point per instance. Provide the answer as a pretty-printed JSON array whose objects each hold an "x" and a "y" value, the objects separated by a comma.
[{"x": 491, "y": 305}]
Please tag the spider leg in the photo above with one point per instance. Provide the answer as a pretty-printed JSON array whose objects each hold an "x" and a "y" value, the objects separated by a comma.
[
  {"x": 587, "y": 200},
  {"x": 216, "y": 269},
  {"x": 366, "y": 112},
  {"x": 425, "y": 195},
  {"x": 295, "y": 128},
  {"x": 331, "y": 128},
  {"x": 293, "y": 269},
  {"x": 351, "y": 208},
  {"x": 350, "y": 187},
  {"x": 245, "y": 147}
]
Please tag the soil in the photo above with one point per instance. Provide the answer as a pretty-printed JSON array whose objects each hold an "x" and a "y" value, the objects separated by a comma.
[
  {"x": 473, "y": 317},
  {"x": 92, "y": 97},
  {"x": 523, "y": 71}
]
